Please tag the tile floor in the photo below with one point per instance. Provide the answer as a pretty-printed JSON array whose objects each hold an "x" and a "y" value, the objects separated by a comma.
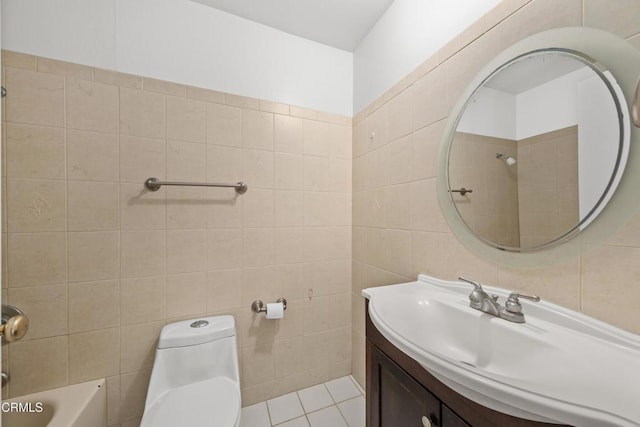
[{"x": 337, "y": 403}]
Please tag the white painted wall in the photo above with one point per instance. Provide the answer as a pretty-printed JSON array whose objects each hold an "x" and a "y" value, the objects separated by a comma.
[
  {"x": 550, "y": 106},
  {"x": 492, "y": 113},
  {"x": 544, "y": 108},
  {"x": 409, "y": 32},
  {"x": 578, "y": 98},
  {"x": 81, "y": 31},
  {"x": 186, "y": 42},
  {"x": 598, "y": 133}
]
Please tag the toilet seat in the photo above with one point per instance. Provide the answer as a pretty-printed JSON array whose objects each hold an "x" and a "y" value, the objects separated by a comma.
[{"x": 213, "y": 402}]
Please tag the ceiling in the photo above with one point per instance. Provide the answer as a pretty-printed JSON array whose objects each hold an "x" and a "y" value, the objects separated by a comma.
[
  {"x": 532, "y": 71},
  {"x": 338, "y": 23}
]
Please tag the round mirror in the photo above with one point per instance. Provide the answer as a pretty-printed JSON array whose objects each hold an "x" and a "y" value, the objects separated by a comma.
[{"x": 538, "y": 149}]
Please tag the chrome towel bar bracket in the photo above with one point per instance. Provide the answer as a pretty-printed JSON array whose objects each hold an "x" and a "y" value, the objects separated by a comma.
[
  {"x": 154, "y": 184},
  {"x": 462, "y": 191}
]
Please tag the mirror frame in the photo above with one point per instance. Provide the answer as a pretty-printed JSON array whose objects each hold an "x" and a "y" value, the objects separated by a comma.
[
  {"x": 623, "y": 61},
  {"x": 618, "y": 167}
]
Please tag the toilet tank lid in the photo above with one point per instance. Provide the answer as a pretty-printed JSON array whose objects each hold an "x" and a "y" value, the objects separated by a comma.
[{"x": 196, "y": 331}]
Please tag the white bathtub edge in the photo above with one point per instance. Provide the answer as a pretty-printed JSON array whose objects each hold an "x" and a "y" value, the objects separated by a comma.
[{"x": 76, "y": 405}]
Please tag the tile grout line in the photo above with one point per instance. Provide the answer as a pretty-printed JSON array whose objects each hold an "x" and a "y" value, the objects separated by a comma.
[
  {"x": 268, "y": 412},
  {"x": 306, "y": 414},
  {"x": 360, "y": 389},
  {"x": 323, "y": 407},
  {"x": 342, "y": 415},
  {"x": 335, "y": 404},
  {"x": 304, "y": 411},
  {"x": 348, "y": 400}
]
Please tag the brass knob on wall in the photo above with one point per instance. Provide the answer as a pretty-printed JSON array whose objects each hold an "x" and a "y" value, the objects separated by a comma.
[
  {"x": 14, "y": 323},
  {"x": 15, "y": 328}
]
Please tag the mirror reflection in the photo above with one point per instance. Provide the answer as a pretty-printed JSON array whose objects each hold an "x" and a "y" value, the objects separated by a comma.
[{"x": 537, "y": 150}]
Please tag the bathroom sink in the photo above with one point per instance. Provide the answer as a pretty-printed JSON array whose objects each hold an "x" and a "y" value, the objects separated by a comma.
[{"x": 559, "y": 367}]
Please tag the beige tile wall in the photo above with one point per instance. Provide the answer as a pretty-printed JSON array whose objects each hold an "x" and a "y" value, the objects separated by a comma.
[
  {"x": 548, "y": 185},
  {"x": 398, "y": 228},
  {"x": 491, "y": 210},
  {"x": 100, "y": 264},
  {"x": 528, "y": 204}
]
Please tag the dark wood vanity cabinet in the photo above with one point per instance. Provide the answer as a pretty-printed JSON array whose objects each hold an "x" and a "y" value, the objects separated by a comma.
[
  {"x": 451, "y": 419},
  {"x": 402, "y": 401},
  {"x": 401, "y": 393}
]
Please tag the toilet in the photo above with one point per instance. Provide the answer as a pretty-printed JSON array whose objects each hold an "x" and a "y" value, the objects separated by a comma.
[{"x": 195, "y": 380}]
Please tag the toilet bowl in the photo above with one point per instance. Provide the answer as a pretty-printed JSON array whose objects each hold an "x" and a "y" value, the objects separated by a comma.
[{"x": 195, "y": 380}]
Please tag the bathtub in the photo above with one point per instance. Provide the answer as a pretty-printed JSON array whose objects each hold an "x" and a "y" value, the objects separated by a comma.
[{"x": 78, "y": 405}]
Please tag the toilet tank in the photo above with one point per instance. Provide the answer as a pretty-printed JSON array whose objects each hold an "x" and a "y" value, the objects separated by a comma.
[{"x": 195, "y": 350}]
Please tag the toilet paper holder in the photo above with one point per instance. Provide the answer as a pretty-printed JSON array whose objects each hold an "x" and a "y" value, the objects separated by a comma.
[{"x": 259, "y": 307}]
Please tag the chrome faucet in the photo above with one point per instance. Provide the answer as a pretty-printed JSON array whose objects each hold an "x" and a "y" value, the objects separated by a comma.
[{"x": 482, "y": 301}]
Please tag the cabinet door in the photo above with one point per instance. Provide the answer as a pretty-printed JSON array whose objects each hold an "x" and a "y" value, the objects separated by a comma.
[
  {"x": 400, "y": 400},
  {"x": 451, "y": 419}
]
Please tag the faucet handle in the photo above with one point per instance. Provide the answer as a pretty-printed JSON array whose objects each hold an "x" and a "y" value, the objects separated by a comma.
[
  {"x": 477, "y": 295},
  {"x": 476, "y": 285},
  {"x": 513, "y": 302}
]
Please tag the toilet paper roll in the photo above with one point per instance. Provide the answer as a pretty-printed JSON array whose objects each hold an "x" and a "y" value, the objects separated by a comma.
[{"x": 275, "y": 310}]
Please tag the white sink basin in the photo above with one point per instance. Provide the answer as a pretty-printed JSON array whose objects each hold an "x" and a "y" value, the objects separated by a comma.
[{"x": 558, "y": 367}]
